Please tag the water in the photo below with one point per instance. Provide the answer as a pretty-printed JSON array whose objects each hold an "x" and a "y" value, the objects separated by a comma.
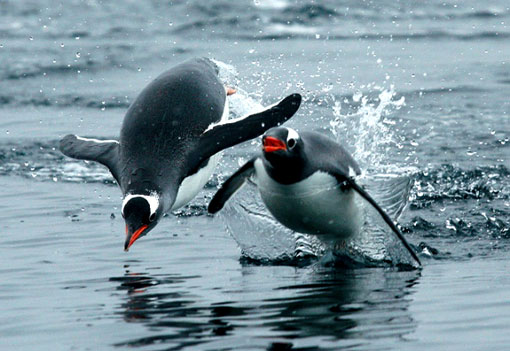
[{"x": 417, "y": 90}]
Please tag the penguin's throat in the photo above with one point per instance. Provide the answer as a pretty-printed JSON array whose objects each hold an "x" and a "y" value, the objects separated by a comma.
[{"x": 283, "y": 171}]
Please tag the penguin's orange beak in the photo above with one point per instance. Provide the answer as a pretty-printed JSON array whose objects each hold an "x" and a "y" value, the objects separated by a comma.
[
  {"x": 271, "y": 144},
  {"x": 132, "y": 237}
]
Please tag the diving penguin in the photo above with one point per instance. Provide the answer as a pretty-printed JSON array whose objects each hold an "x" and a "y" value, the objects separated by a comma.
[
  {"x": 307, "y": 182},
  {"x": 170, "y": 139}
]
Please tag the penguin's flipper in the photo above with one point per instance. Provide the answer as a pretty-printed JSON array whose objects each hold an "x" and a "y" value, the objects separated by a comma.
[
  {"x": 105, "y": 152},
  {"x": 230, "y": 186},
  {"x": 231, "y": 132},
  {"x": 351, "y": 183}
]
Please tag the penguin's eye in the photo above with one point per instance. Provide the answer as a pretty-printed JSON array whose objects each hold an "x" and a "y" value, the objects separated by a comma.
[
  {"x": 291, "y": 143},
  {"x": 152, "y": 217}
]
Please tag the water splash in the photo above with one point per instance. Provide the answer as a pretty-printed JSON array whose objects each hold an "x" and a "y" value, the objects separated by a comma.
[
  {"x": 367, "y": 126},
  {"x": 241, "y": 103},
  {"x": 260, "y": 236}
]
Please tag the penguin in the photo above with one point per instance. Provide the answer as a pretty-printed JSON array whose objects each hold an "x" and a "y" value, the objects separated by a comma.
[
  {"x": 307, "y": 182},
  {"x": 170, "y": 141}
]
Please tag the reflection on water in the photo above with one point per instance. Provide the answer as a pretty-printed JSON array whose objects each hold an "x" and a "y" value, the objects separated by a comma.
[
  {"x": 296, "y": 307},
  {"x": 157, "y": 310}
]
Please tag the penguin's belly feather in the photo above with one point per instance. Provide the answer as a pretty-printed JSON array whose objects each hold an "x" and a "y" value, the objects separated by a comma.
[
  {"x": 192, "y": 185},
  {"x": 315, "y": 205}
]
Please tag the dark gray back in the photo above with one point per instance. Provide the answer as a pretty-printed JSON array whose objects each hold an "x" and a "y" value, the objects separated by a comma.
[
  {"x": 326, "y": 154},
  {"x": 164, "y": 123}
]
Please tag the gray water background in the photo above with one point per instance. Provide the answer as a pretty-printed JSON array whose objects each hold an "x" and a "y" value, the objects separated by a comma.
[{"x": 76, "y": 66}]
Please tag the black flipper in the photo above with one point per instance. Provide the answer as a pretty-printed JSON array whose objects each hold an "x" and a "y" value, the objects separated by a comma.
[
  {"x": 383, "y": 214},
  {"x": 105, "y": 152},
  {"x": 232, "y": 132},
  {"x": 230, "y": 186}
]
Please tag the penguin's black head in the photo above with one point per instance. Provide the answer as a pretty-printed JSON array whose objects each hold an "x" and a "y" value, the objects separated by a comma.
[
  {"x": 141, "y": 213},
  {"x": 282, "y": 146}
]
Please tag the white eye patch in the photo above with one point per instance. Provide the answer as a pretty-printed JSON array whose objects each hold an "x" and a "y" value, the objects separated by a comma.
[
  {"x": 292, "y": 134},
  {"x": 152, "y": 200}
]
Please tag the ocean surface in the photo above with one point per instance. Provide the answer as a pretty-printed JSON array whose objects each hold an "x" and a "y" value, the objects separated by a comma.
[{"x": 416, "y": 90}]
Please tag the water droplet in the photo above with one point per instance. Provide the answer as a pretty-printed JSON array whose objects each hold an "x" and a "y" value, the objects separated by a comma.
[
  {"x": 251, "y": 51},
  {"x": 7, "y": 132},
  {"x": 31, "y": 38},
  {"x": 78, "y": 54},
  {"x": 317, "y": 36},
  {"x": 62, "y": 45}
]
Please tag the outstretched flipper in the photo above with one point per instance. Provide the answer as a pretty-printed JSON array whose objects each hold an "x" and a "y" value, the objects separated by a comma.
[
  {"x": 230, "y": 186},
  {"x": 351, "y": 183},
  {"x": 105, "y": 152},
  {"x": 229, "y": 133}
]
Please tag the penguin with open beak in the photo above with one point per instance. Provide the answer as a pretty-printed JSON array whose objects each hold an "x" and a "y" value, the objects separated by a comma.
[{"x": 307, "y": 182}]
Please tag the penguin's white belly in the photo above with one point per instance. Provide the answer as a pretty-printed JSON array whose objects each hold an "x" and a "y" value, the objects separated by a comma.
[
  {"x": 191, "y": 185},
  {"x": 315, "y": 205}
]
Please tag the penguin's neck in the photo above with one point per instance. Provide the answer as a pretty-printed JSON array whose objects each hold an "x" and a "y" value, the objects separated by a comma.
[
  {"x": 148, "y": 180},
  {"x": 191, "y": 185}
]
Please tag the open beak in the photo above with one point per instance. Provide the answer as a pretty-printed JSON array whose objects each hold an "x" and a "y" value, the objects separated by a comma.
[
  {"x": 271, "y": 144},
  {"x": 132, "y": 237}
]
